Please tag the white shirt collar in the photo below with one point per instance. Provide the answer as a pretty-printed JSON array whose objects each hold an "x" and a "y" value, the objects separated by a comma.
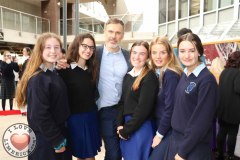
[
  {"x": 45, "y": 68},
  {"x": 74, "y": 65},
  {"x": 133, "y": 74},
  {"x": 197, "y": 70}
]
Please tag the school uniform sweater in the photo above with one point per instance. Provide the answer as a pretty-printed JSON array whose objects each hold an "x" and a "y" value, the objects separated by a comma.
[
  {"x": 139, "y": 104},
  {"x": 81, "y": 89},
  {"x": 47, "y": 103},
  {"x": 165, "y": 101},
  {"x": 194, "y": 109}
]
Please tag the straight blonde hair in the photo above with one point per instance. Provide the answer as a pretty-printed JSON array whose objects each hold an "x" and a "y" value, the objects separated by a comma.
[{"x": 173, "y": 63}]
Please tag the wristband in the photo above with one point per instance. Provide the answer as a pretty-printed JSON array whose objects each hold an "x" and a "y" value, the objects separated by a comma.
[{"x": 63, "y": 144}]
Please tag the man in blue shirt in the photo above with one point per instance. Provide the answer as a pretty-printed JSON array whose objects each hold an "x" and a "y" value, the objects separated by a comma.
[{"x": 114, "y": 64}]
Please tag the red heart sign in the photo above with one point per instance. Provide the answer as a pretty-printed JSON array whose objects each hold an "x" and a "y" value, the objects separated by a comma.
[{"x": 20, "y": 141}]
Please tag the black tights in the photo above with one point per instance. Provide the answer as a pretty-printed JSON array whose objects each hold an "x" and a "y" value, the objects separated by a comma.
[
  {"x": 229, "y": 131},
  {"x": 4, "y": 104}
]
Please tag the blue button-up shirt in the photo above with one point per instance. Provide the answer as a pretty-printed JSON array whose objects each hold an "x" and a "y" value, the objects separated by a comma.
[{"x": 112, "y": 71}]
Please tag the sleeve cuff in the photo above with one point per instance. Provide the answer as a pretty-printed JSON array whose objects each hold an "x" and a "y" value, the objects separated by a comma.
[{"x": 159, "y": 135}]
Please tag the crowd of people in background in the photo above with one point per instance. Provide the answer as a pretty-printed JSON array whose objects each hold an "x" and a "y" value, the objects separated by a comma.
[{"x": 149, "y": 103}]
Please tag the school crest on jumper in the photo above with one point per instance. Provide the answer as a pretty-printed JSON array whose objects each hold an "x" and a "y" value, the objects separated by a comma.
[{"x": 190, "y": 87}]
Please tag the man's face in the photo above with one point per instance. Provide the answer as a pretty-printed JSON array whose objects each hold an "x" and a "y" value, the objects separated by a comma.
[{"x": 113, "y": 35}]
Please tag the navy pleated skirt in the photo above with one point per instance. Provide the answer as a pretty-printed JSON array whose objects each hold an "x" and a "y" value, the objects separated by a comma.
[
  {"x": 84, "y": 137},
  {"x": 138, "y": 146}
]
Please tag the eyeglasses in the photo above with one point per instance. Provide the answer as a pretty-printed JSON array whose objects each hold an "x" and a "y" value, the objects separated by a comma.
[{"x": 85, "y": 47}]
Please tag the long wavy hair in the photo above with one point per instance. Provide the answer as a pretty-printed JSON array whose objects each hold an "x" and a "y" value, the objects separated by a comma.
[
  {"x": 146, "y": 69},
  {"x": 32, "y": 67},
  {"x": 173, "y": 63},
  {"x": 73, "y": 55}
]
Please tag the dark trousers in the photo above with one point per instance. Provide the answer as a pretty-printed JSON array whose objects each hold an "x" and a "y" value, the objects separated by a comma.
[
  {"x": 4, "y": 104},
  {"x": 108, "y": 130},
  {"x": 229, "y": 131}
]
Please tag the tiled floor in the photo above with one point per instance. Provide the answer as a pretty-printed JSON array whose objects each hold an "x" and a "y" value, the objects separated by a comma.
[{"x": 6, "y": 121}]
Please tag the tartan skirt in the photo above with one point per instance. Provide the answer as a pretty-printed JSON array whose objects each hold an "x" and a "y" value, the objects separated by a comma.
[{"x": 7, "y": 89}]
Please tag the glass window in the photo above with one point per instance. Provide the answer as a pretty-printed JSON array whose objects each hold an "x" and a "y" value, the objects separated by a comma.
[
  {"x": 162, "y": 11},
  {"x": 210, "y": 5},
  {"x": 224, "y": 3},
  {"x": 11, "y": 19},
  {"x": 171, "y": 10},
  {"x": 194, "y": 7},
  {"x": 28, "y": 23},
  {"x": 183, "y": 8}
]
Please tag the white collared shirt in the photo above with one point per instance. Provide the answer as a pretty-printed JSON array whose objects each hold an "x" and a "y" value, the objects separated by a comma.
[
  {"x": 133, "y": 74},
  {"x": 74, "y": 65},
  {"x": 45, "y": 68},
  {"x": 196, "y": 71}
]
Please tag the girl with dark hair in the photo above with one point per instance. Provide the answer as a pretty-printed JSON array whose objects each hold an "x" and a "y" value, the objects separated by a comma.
[
  {"x": 229, "y": 111},
  {"x": 140, "y": 87},
  {"x": 195, "y": 104},
  {"x": 80, "y": 78}
]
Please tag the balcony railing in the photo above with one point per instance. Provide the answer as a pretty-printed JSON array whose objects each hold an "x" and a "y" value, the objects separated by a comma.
[
  {"x": 23, "y": 22},
  {"x": 89, "y": 24}
]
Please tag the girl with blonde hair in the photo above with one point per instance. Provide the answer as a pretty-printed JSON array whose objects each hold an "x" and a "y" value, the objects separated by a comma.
[{"x": 168, "y": 70}]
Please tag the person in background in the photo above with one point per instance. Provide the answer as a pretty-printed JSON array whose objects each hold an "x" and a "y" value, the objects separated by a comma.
[
  {"x": 8, "y": 82},
  {"x": 168, "y": 70},
  {"x": 195, "y": 104},
  {"x": 26, "y": 55},
  {"x": 0, "y": 73},
  {"x": 229, "y": 107},
  {"x": 140, "y": 87},
  {"x": 80, "y": 79},
  {"x": 63, "y": 51},
  {"x": 45, "y": 94}
]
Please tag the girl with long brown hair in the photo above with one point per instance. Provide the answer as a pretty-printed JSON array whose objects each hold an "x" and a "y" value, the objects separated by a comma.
[
  {"x": 45, "y": 94},
  {"x": 140, "y": 87},
  {"x": 80, "y": 78}
]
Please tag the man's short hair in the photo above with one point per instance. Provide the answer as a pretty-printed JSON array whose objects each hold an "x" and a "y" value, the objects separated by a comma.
[{"x": 114, "y": 21}]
